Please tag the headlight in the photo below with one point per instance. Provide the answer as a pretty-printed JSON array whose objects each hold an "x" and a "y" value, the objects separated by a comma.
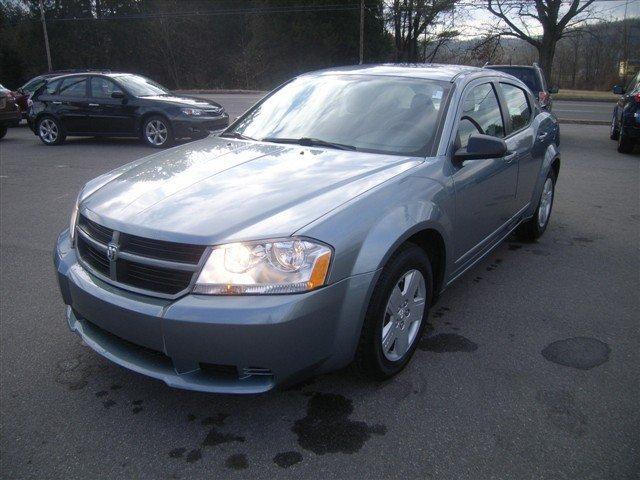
[
  {"x": 192, "y": 112},
  {"x": 74, "y": 219},
  {"x": 287, "y": 265}
]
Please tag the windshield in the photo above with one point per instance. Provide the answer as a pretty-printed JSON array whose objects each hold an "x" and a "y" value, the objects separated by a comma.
[
  {"x": 141, "y": 87},
  {"x": 370, "y": 113}
]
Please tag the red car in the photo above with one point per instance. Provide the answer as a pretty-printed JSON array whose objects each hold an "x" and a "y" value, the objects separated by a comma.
[
  {"x": 9, "y": 111},
  {"x": 21, "y": 99}
]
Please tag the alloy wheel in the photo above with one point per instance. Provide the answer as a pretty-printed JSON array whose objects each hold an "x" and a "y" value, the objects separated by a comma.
[
  {"x": 546, "y": 200},
  {"x": 403, "y": 315},
  {"x": 48, "y": 131},
  {"x": 156, "y": 132}
]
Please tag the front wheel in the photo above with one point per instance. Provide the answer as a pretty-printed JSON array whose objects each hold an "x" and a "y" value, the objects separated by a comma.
[
  {"x": 625, "y": 144},
  {"x": 614, "y": 132},
  {"x": 397, "y": 314},
  {"x": 533, "y": 228},
  {"x": 157, "y": 132}
]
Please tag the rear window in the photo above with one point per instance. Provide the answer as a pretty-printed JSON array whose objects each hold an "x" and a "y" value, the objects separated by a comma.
[{"x": 527, "y": 75}]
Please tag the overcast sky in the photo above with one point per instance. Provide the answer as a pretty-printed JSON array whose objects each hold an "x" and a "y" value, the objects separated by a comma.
[{"x": 474, "y": 19}]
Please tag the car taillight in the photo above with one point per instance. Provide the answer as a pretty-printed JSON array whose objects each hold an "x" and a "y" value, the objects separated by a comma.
[
  {"x": 636, "y": 97},
  {"x": 543, "y": 98}
]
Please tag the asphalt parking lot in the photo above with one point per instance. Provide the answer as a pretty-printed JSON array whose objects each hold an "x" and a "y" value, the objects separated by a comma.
[{"x": 530, "y": 368}]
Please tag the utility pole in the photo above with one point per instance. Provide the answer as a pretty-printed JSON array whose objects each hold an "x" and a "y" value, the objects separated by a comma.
[
  {"x": 361, "y": 31},
  {"x": 46, "y": 36},
  {"x": 625, "y": 44}
]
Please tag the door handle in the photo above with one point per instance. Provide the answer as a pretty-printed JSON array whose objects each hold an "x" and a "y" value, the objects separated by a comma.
[
  {"x": 542, "y": 136},
  {"x": 511, "y": 157},
  {"x": 94, "y": 104},
  {"x": 57, "y": 102}
]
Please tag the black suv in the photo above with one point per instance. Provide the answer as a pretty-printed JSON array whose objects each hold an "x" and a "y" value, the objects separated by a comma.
[
  {"x": 119, "y": 105},
  {"x": 625, "y": 121},
  {"x": 532, "y": 77}
]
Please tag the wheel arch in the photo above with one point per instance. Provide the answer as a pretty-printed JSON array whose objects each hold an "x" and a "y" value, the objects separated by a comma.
[{"x": 152, "y": 113}]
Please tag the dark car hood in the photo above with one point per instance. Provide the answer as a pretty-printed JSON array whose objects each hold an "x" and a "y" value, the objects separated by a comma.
[
  {"x": 183, "y": 101},
  {"x": 220, "y": 190}
]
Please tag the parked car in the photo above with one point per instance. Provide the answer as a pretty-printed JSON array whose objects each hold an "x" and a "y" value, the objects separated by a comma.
[
  {"x": 119, "y": 105},
  {"x": 9, "y": 111},
  {"x": 317, "y": 230},
  {"x": 18, "y": 98},
  {"x": 625, "y": 121},
  {"x": 533, "y": 77}
]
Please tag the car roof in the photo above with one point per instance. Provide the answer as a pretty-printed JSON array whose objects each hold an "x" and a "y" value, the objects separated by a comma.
[
  {"x": 532, "y": 67},
  {"x": 430, "y": 71}
]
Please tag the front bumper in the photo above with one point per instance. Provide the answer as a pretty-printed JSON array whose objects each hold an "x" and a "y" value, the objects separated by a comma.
[
  {"x": 215, "y": 344},
  {"x": 198, "y": 126}
]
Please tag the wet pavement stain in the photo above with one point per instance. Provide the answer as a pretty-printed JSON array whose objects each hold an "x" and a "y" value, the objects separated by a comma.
[
  {"x": 214, "y": 437},
  {"x": 137, "y": 402},
  {"x": 582, "y": 240},
  {"x": 237, "y": 461},
  {"x": 194, "y": 455},
  {"x": 562, "y": 412},
  {"x": 477, "y": 279},
  {"x": 287, "y": 459},
  {"x": 115, "y": 386},
  {"x": 136, "y": 410},
  {"x": 78, "y": 385},
  {"x": 447, "y": 342},
  {"x": 582, "y": 353},
  {"x": 101, "y": 393},
  {"x": 326, "y": 428},
  {"x": 218, "y": 419},
  {"x": 514, "y": 246},
  {"x": 108, "y": 404},
  {"x": 191, "y": 417},
  {"x": 177, "y": 452}
]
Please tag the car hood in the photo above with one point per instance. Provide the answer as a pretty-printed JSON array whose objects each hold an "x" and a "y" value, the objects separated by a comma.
[
  {"x": 183, "y": 101},
  {"x": 218, "y": 190}
]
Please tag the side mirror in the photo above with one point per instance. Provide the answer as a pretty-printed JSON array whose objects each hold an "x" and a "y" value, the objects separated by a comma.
[
  {"x": 117, "y": 95},
  {"x": 618, "y": 89},
  {"x": 553, "y": 89},
  {"x": 481, "y": 147}
]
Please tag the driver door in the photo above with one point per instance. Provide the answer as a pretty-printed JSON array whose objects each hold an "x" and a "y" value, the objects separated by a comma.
[{"x": 485, "y": 189}]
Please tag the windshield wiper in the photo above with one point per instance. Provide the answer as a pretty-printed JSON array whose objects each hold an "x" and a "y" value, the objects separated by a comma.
[
  {"x": 235, "y": 135},
  {"x": 309, "y": 142}
]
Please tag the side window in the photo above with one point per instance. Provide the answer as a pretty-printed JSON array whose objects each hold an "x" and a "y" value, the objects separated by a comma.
[
  {"x": 52, "y": 87},
  {"x": 103, "y": 88},
  {"x": 480, "y": 114},
  {"x": 517, "y": 104},
  {"x": 73, "y": 87}
]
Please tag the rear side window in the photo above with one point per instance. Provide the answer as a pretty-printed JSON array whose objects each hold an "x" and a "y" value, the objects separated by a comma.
[
  {"x": 73, "y": 87},
  {"x": 480, "y": 114},
  {"x": 517, "y": 105},
  {"x": 528, "y": 76}
]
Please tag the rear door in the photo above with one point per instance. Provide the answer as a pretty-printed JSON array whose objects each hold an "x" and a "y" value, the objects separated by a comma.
[
  {"x": 73, "y": 104},
  {"x": 109, "y": 115},
  {"x": 521, "y": 140}
]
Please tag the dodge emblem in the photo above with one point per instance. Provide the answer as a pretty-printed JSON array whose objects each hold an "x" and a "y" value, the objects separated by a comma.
[{"x": 112, "y": 251}]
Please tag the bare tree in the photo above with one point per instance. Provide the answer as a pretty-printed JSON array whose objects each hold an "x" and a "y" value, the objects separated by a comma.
[
  {"x": 525, "y": 18},
  {"x": 410, "y": 19}
]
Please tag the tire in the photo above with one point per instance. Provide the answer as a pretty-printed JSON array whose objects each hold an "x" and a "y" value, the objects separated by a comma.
[
  {"x": 157, "y": 132},
  {"x": 535, "y": 227},
  {"x": 625, "y": 144},
  {"x": 372, "y": 359},
  {"x": 3, "y": 131},
  {"x": 614, "y": 130},
  {"x": 50, "y": 131}
]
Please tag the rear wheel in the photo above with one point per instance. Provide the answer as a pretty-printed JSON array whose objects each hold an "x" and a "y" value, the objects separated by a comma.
[
  {"x": 50, "y": 131},
  {"x": 157, "y": 132},
  {"x": 533, "y": 228},
  {"x": 397, "y": 314},
  {"x": 625, "y": 144}
]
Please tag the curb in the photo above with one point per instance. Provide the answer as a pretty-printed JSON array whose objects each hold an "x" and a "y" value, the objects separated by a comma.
[
  {"x": 222, "y": 91},
  {"x": 584, "y": 122},
  {"x": 585, "y": 99}
]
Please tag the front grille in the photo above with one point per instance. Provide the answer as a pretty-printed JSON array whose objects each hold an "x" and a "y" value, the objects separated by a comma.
[{"x": 155, "y": 266}]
